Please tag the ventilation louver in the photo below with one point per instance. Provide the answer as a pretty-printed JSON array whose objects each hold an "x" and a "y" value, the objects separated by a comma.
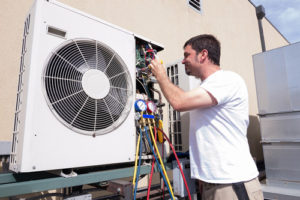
[
  {"x": 196, "y": 4},
  {"x": 87, "y": 86}
]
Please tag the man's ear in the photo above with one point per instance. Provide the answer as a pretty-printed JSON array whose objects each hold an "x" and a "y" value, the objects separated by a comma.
[{"x": 203, "y": 55}]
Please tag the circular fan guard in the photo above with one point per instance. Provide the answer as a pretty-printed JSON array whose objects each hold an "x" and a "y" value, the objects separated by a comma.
[{"x": 66, "y": 97}]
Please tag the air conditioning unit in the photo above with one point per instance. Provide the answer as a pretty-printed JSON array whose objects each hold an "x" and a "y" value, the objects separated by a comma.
[
  {"x": 76, "y": 91},
  {"x": 179, "y": 122}
]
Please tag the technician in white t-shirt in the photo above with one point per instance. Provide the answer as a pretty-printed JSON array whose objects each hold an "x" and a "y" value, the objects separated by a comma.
[{"x": 219, "y": 150}]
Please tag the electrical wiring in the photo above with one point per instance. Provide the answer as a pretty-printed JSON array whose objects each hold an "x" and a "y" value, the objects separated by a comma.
[
  {"x": 136, "y": 160},
  {"x": 150, "y": 55},
  {"x": 140, "y": 60},
  {"x": 159, "y": 167},
  {"x": 181, "y": 171},
  {"x": 161, "y": 162},
  {"x": 142, "y": 84},
  {"x": 139, "y": 166},
  {"x": 143, "y": 79},
  {"x": 145, "y": 86}
]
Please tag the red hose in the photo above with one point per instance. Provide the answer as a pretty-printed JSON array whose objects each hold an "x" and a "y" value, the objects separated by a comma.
[
  {"x": 185, "y": 183},
  {"x": 163, "y": 186},
  {"x": 150, "y": 179},
  {"x": 152, "y": 170}
]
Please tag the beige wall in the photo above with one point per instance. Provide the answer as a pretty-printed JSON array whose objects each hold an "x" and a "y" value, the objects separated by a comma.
[
  {"x": 12, "y": 16},
  {"x": 272, "y": 38},
  {"x": 167, "y": 22}
]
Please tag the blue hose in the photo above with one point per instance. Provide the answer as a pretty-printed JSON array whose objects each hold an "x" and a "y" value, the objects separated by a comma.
[
  {"x": 159, "y": 167},
  {"x": 139, "y": 166}
]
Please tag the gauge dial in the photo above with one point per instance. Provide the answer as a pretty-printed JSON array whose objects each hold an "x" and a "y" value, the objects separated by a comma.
[
  {"x": 140, "y": 105},
  {"x": 151, "y": 107}
]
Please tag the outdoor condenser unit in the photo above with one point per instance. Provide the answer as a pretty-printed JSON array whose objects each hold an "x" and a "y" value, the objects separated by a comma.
[
  {"x": 75, "y": 93},
  {"x": 180, "y": 122}
]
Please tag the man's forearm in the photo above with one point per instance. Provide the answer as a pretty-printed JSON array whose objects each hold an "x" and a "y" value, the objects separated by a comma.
[{"x": 171, "y": 92}]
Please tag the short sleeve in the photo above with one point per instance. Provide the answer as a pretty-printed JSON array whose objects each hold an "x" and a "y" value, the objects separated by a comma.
[{"x": 223, "y": 86}]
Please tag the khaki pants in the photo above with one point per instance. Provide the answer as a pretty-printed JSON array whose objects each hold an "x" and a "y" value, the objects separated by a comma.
[{"x": 226, "y": 192}]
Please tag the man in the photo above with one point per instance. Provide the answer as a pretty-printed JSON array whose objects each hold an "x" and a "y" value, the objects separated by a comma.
[{"x": 219, "y": 150}]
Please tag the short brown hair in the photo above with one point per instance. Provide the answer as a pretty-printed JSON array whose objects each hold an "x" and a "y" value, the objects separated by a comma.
[{"x": 208, "y": 42}]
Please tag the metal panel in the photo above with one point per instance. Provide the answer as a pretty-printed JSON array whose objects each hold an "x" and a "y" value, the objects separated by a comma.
[
  {"x": 178, "y": 183},
  {"x": 121, "y": 187},
  {"x": 50, "y": 183},
  {"x": 5, "y": 147},
  {"x": 277, "y": 74},
  {"x": 185, "y": 82},
  {"x": 282, "y": 161},
  {"x": 292, "y": 58},
  {"x": 41, "y": 138},
  {"x": 280, "y": 127},
  {"x": 80, "y": 197},
  {"x": 280, "y": 192}
]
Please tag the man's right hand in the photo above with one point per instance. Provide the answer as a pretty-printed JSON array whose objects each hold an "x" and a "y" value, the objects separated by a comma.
[{"x": 158, "y": 69}]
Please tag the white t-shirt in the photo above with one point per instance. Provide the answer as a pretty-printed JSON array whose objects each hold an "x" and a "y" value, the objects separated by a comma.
[{"x": 219, "y": 150}]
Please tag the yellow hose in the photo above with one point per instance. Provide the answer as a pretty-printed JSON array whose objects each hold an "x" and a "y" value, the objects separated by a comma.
[
  {"x": 160, "y": 160},
  {"x": 159, "y": 131},
  {"x": 136, "y": 160}
]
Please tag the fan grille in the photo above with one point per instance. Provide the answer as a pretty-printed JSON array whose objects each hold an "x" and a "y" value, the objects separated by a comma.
[{"x": 66, "y": 97}]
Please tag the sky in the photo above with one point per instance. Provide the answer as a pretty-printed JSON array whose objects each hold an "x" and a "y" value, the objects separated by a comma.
[{"x": 284, "y": 15}]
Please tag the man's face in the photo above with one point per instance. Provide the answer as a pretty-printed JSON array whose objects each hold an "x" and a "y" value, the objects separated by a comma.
[{"x": 190, "y": 60}]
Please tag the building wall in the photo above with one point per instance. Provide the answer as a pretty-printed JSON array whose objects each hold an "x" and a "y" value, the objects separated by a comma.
[
  {"x": 272, "y": 38},
  {"x": 167, "y": 22},
  {"x": 12, "y": 16}
]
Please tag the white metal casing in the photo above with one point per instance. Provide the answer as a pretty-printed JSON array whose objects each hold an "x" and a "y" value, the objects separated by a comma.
[
  {"x": 177, "y": 75},
  {"x": 178, "y": 182},
  {"x": 277, "y": 76},
  {"x": 41, "y": 142}
]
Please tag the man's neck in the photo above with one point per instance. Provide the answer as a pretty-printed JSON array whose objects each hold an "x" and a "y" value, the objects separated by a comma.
[{"x": 208, "y": 70}]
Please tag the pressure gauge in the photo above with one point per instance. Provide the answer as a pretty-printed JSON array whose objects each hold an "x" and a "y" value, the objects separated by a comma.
[
  {"x": 151, "y": 107},
  {"x": 140, "y": 105}
]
